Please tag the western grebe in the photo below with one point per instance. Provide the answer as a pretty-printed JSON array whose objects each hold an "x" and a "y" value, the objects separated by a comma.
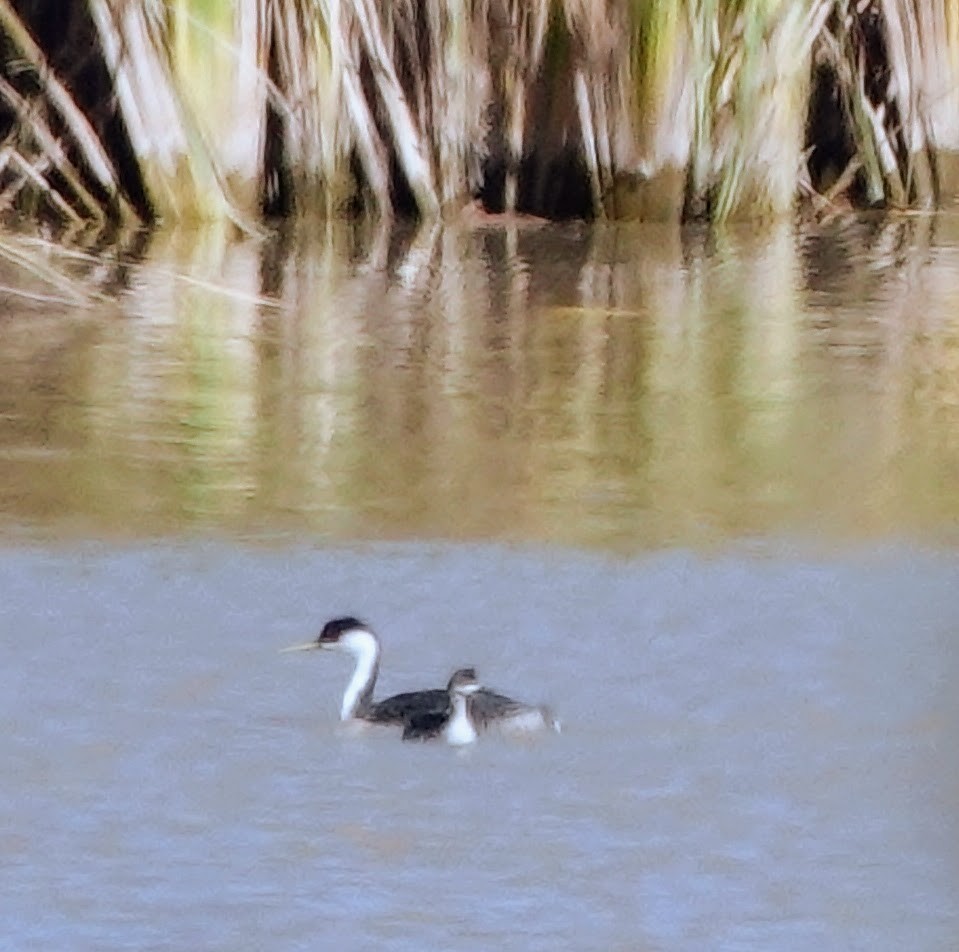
[
  {"x": 354, "y": 637},
  {"x": 486, "y": 708},
  {"x": 454, "y": 725}
]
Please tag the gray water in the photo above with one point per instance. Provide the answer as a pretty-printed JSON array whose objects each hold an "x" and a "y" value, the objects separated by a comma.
[{"x": 759, "y": 750}]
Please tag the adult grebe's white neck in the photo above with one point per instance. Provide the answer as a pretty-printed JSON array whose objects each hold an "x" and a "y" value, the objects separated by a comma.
[{"x": 363, "y": 645}]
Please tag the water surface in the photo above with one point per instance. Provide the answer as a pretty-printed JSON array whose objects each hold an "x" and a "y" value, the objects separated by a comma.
[{"x": 757, "y": 754}]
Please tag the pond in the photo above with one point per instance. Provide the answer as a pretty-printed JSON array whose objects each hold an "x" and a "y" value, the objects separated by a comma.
[{"x": 699, "y": 493}]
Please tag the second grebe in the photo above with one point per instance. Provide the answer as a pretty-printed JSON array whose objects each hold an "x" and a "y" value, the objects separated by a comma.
[{"x": 455, "y": 725}]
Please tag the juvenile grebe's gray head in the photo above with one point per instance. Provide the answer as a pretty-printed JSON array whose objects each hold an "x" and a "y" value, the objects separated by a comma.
[{"x": 463, "y": 682}]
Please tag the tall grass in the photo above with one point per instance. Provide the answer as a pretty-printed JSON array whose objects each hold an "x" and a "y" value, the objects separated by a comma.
[{"x": 418, "y": 107}]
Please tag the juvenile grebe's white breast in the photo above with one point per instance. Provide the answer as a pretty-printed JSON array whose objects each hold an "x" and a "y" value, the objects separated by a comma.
[{"x": 460, "y": 729}]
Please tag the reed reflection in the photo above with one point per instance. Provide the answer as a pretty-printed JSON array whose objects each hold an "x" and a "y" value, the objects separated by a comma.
[{"x": 628, "y": 385}]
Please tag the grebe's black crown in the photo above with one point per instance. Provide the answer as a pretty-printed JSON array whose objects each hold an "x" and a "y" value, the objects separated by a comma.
[{"x": 336, "y": 627}]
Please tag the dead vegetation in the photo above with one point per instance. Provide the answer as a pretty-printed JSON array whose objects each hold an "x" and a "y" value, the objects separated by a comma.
[{"x": 144, "y": 110}]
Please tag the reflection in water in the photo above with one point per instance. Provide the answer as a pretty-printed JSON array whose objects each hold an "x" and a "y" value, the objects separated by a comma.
[{"x": 627, "y": 385}]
